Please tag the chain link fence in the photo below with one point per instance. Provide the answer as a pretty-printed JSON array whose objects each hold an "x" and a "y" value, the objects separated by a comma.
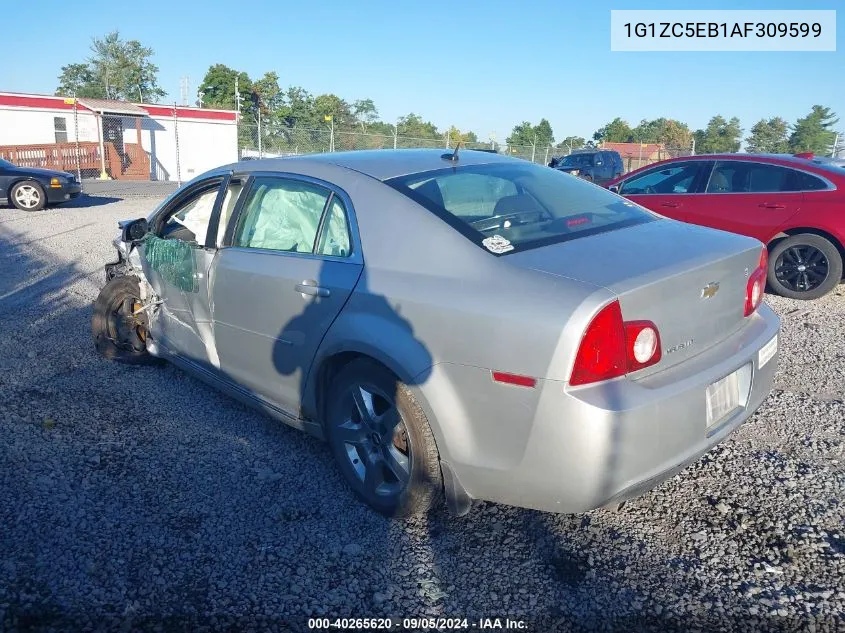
[
  {"x": 275, "y": 141},
  {"x": 103, "y": 146}
]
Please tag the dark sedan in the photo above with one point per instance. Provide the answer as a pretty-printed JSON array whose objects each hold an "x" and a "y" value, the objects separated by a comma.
[{"x": 31, "y": 188}]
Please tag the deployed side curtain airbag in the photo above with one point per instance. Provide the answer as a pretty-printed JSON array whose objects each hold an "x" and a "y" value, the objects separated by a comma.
[{"x": 285, "y": 219}]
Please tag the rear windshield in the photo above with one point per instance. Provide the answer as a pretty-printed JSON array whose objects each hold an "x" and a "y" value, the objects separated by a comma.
[
  {"x": 579, "y": 159},
  {"x": 516, "y": 206}
]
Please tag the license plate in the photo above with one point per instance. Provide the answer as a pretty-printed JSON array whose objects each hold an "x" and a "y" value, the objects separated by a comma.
[
  {"x": 767, "y": 352},
  {"x": 722, "y": 398}
]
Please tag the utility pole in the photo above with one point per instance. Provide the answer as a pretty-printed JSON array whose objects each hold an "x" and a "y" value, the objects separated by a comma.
[
  {"x": 237, "y": 99},
  {"x": 835, "y": 145},
  {"x": 692, "y": 150},
  {"x": 259, "y": 130}
]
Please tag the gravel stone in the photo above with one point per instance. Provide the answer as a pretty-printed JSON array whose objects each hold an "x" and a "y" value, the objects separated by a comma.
[{"x": 138, "y": 498}]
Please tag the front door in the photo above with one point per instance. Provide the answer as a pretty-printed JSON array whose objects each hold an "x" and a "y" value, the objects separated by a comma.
[
  {"x": 279, "y": 284},
  {"x": 176, "y": 261},
  {"x": 667, "y": 189}
]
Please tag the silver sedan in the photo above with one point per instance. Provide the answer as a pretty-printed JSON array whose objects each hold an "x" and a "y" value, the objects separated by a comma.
[{"x": 460, "y": 325}]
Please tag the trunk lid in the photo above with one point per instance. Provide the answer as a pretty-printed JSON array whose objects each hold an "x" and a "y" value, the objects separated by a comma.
[{"x": 689, "y": 280}]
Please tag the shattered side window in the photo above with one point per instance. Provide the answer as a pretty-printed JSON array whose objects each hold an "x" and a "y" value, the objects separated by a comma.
[
  {"x": 171, "y": 253},
  {"x": 173, "y": 260}
]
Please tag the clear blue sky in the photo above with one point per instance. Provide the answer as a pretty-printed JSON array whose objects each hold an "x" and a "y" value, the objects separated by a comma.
[{"x": 482, "y": 66}]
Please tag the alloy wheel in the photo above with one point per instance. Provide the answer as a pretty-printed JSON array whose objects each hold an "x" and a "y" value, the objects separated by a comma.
[
  {"x": 27, "y": 196},
  {"x": 802, "y": 268},
  {"x": 375, "y": 441}
]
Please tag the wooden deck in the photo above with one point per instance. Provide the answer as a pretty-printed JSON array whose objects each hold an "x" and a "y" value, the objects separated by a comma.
[{"x": 134, "y": 164}]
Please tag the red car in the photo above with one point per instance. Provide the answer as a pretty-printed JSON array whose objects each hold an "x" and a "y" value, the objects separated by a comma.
[{"x": 792, "y": 204}]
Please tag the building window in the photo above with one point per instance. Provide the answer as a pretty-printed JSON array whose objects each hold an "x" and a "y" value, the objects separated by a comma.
[{"x": 60, "y": 124}]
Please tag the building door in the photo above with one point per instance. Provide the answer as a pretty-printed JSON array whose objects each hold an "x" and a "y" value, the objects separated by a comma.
[{"x": 113, "y": 133}]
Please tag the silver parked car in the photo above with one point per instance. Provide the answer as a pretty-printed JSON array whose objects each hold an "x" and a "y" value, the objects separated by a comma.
[{"x": 460, "y": 324}]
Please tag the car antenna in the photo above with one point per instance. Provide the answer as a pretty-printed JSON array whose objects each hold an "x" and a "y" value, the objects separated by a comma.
[{"x": 453, "y": 157}]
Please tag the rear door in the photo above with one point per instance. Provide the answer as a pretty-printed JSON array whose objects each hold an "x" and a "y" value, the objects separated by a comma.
[
  {"x": 290, "y": 260},
  {"x": 748, "y": 197},
  {"x": 667, "y": 189}
]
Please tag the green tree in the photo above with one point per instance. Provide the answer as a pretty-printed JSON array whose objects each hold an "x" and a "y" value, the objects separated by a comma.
[
  {"x": 297, "y": 108},
  {"x": 720, "y": 136},
  {"x": 330, "y": 105},
  {"x": 617, "y": 131},
  {"x": 268, "y": 93},
  {"x": 116, "y": 69},
  {"x": 522, "y": 134},
  {"x": 218, "y": 88},
  {"x": 525, "y": 134},
  {"x": 768, "y": 136},
  {"x": 571, "y": 142},
  {"x": 669, "y": 132},
  {"x": 365, "y": 112},
  {"x": 814, "y": 132},
  {"x": 412, "y": 125},
  {"x": 543, "y": 133},
  {"x": 456, "y": 136}
]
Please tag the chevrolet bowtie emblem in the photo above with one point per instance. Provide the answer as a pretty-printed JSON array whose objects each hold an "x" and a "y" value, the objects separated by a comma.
[{"x": 710, "y": 290}]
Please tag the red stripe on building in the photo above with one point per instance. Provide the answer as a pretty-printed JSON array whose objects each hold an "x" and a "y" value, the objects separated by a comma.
[
  {"x": 189, "y": 113},
  {"x": 59, "y": 103},
  {"x": 25, "y": 101}
]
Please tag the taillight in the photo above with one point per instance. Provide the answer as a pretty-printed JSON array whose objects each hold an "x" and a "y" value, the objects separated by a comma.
[
  {"x": 756, "y": 286},
  {"x": 611, "y": 347}
]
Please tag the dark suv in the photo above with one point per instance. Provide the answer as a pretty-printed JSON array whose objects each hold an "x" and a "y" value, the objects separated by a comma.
[{"x": 599, "y": 165}]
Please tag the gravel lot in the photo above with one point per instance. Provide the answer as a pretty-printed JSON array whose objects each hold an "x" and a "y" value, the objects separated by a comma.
[{"x": 137, "y": 498}]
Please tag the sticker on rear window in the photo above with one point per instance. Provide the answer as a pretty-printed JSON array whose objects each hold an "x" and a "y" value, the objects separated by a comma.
[{"x": 497, "y": 244}]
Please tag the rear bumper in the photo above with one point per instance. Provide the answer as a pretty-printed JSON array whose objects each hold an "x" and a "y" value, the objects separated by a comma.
[{"x": 594, "y": 445}]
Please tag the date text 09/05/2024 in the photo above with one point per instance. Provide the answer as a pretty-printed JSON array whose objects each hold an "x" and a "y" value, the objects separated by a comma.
[
  {"x": 723, "y": 29},
  {"x": 416, "y": 624}
]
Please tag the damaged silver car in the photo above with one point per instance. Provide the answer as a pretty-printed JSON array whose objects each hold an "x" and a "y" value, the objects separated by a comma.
[{"x": 465, "y": 325}]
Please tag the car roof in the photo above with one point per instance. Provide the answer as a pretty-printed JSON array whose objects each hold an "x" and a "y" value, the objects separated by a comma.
[{"x": 381, "y": 164}]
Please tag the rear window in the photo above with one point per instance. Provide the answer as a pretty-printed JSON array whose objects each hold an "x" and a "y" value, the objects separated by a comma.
[
  {"x": 515, "y": 206},
  {"x": 579, "y": 159}
]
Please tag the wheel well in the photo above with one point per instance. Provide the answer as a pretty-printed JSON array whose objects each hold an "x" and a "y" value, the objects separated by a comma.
[
  {"x": 329, "y": 368},
  {"x": 457, "y": 498},
  {"x": 799, "y": 230}
]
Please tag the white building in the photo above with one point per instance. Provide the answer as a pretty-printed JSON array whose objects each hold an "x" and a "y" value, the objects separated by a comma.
[{"x": 126, "y": 140}]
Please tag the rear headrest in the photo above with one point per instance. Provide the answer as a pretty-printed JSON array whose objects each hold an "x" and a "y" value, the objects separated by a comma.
[{"x": 514, "y": 204}]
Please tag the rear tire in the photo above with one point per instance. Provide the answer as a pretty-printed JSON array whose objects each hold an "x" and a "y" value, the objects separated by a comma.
[
  {"x": 118, "y": 335},
  {"x": 28, "y": 196},
  {"x": 386, "y": 452},
  {"x": 805, "y": 267}
]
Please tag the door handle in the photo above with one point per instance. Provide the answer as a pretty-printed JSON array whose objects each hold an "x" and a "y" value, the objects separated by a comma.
[
  {"x": 310, "y": 287},
  {"x": 671, "y": 205},
  {"x": 771, "y": 205}
]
